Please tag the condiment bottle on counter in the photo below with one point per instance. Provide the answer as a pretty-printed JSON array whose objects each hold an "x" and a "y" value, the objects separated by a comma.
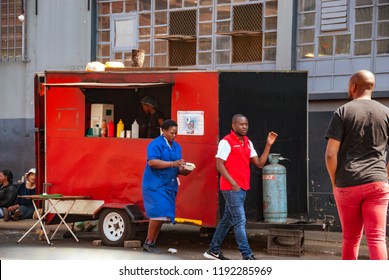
[
  {"x": 103, "y": 128},
  {"x": 135, "y": 130},
  {"x": 119, "y": 128},
  {"x": 111, "y": 129},
  {"x": 96, "y": 130}
]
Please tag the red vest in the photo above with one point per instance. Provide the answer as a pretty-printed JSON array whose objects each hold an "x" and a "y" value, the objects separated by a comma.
[{"x": 237, "y": 163}]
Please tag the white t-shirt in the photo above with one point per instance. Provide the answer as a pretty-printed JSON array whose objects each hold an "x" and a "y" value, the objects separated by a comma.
[{"x": 224, "y": 149}]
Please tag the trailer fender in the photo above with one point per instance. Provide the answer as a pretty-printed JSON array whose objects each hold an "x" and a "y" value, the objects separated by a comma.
[{"x": 135, "y": 214}]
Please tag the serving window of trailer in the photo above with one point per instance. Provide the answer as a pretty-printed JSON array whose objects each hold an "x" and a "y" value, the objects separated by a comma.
[
  {"x": 125, "y": 104},
  {"x": 121, "y": 101}
]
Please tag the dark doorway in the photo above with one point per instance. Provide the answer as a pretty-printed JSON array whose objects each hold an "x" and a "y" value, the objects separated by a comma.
[{"x": 271, "y": 101}]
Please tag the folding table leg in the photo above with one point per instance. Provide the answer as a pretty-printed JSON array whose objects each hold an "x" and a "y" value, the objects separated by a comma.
[
  {"x": 40, "y": 219},
  {"x": 63, "y": 220}
]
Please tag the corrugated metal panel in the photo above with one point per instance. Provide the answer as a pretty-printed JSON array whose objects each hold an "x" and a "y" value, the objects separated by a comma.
[{"x": 333, "y": 15}]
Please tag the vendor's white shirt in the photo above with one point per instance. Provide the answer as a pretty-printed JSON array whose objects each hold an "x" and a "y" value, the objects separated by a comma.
[{"x": 224, "y": 149}]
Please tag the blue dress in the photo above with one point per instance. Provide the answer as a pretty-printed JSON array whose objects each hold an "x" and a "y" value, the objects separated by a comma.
[{"x": 159, "y": 186}]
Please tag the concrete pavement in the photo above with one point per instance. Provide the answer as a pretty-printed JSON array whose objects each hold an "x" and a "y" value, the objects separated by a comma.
[{"x": 186, "y": 238}]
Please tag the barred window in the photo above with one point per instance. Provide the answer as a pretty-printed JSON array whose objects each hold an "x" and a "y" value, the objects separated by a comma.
[
  {"x": 247, "y": 47},
  {"x": 117, "y": 30},
  {"x": 252, "y": 28},
  {"x": 182, "y": 49},
  {"x": 206, "y": 33},
  {"x": 13, "y": 31}
]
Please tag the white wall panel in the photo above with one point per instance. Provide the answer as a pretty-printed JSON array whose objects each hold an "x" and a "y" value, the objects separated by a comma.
[
  {"x": 14, "y": 103},
  {"x": 341, "y": 83},
  {"x": 307, "y": 66},
  {"x": 269, "y": 66},
  {"x": 324, "y": 67},
  {"x": 362, "y": 63},
  {"x": 343, "y": 66},
  {"x": 310, "y": 84},
  {"x": 323, "y": 84},
  {"x": 382, "y": 81},
  {"x": 382, "y": 64},
  {"x": 239, "y": 67},
  {"x": 225, "y": 67}
]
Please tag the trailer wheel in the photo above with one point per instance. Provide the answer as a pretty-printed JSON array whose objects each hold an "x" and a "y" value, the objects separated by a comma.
[{"x": 115, "y": 227}]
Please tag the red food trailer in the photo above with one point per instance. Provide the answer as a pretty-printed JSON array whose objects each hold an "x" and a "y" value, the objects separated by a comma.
[{"x": 73, "y": 161}]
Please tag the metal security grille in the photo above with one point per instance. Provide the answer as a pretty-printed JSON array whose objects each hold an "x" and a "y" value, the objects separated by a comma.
[
  {"x": 247, "y": 17},
  {"x": 183, "y": 23},
  {"x": 12, "y": 30},
  {"x": 182, "y": 41},
  {"x": 247, "y": 48},
  {"x": 182, "y": 53},
  {"x": 247, "y": 33}
]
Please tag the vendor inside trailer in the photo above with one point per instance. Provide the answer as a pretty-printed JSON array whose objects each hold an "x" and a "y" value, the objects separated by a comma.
[{"x": 155, "y": 116}]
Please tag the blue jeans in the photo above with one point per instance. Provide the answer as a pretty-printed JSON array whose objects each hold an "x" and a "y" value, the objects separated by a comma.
[
  {"x": 27, "y": 211},
  {"x": 235, "y": 216}
]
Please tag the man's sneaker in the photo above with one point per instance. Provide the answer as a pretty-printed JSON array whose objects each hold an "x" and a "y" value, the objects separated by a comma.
[
  {"x": 151, "y": 248},
  {"x": 214, "y": 255},
  {"x": 250, "y": 257},
  {"x": 16, "y": 215}
]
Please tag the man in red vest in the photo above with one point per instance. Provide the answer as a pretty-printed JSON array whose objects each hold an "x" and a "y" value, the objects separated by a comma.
[{"x": 235, "y": 152}]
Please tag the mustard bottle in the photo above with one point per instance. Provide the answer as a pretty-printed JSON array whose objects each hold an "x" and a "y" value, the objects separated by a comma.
[{"x": 119, "y": 128}]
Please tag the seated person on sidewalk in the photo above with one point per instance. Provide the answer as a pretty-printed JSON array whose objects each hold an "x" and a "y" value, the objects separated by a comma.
[
  {"x": 23, "y": 208},
  {"x": 8, "y": 193}
]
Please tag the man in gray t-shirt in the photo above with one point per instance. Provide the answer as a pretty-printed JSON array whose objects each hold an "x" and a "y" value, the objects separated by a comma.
[
  {"x": 362, "y": 127},
  {"x": 357, "y": 137}
]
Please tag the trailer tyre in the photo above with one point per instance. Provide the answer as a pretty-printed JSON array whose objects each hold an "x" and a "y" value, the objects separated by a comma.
[{"x": 115, "y": 227}]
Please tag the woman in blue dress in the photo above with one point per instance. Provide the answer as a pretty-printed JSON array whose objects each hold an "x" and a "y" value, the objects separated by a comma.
[{"x": 160, "y": 185}]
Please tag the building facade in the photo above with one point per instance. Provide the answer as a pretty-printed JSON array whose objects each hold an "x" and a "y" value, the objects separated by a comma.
[
  {"x": 330, "y": 39},
  {"x": 35, "y": 36}
]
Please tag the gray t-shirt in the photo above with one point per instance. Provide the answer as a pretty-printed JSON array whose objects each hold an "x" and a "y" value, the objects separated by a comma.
[{"x": 362, "y": 127}]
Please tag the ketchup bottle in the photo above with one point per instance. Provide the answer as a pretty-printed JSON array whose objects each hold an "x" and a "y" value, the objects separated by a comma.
[{"x": 111, "y": 129}]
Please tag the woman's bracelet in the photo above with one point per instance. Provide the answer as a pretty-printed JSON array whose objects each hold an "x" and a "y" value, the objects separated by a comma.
[{"x": 172, "y": 164}]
